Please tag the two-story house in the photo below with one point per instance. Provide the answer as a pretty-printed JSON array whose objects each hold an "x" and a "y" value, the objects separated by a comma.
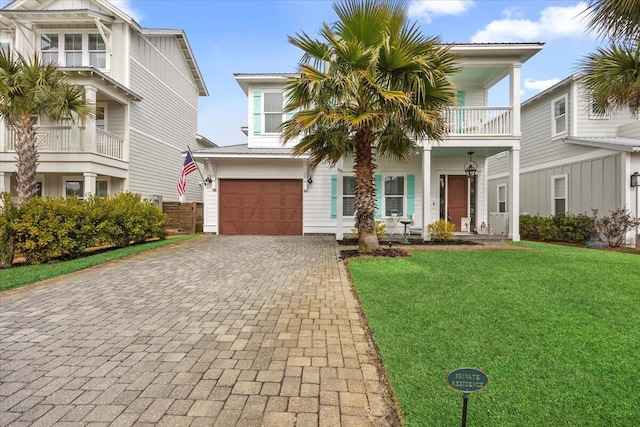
[
  {"x": 571, "y": 160},
  {"x": 261, "y": 188},
  {"x": 145, "y": 84}
]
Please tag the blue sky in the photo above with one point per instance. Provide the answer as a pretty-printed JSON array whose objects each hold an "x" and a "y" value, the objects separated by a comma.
[{"x": 251, "y": 37}]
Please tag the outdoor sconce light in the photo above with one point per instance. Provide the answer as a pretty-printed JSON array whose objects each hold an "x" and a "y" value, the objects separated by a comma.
[
  {"x": 635, "y": 179},
  {"x": 208, "y": 180},
  {"x": 310, "y": 180},
  {"x": 471, "y": 167}
]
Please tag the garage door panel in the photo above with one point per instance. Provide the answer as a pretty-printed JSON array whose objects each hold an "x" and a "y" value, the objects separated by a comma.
[{"x": 261, "y": 207}]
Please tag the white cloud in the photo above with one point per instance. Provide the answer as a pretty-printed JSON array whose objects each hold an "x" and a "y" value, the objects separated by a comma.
[
  {"x": 424, "y": 10},
  {"x": 513, "y": 12},
  {"x": 555, "y": 22},
  {"x": 126, "y": 7},
  {"x": 540, "y": 85}
]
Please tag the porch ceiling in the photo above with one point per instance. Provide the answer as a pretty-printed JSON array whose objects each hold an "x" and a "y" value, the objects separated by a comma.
[{"x": 478, "y": 152}]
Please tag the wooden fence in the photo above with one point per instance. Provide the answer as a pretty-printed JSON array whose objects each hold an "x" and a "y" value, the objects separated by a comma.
[{"x": 184, "y": 218}]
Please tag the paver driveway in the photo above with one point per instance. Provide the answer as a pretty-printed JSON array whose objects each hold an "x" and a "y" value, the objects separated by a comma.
[{"x": 216, "y": 331}]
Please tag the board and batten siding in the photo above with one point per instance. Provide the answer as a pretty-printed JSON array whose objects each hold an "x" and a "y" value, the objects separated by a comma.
[
  {"x": 591, "y": 184},
  {"x": 164, "y": 122}
]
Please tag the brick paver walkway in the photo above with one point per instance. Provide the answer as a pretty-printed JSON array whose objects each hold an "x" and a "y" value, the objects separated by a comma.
[{"x": 217, "y": 331}]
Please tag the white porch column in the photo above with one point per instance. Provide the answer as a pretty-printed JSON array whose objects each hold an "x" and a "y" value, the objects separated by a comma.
[
  {"x": 514, "y": 97},
  {"x": 426, "y": 190},
  {"x": 514, "y": 194},
  {"x": 339, "y": 213},
  {"x": 90, "y": 183},
  {"x": 89, "y": 138}
]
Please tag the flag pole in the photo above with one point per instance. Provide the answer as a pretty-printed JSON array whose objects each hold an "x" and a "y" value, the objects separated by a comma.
[{"x": 198, "y": 167}]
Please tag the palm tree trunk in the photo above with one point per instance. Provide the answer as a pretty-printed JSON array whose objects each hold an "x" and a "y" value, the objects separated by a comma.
[
  {"x": 365, "y": 193},
  {"x": 27, "y": 161}
]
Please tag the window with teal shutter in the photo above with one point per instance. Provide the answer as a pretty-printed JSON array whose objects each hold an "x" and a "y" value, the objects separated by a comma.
[
  {"x": 257, "y": 113},
  {"x": 379, "y": 191},
  {"x": 411, "y": 198}
]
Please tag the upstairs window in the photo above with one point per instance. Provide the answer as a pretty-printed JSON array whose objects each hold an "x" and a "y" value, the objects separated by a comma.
[
  {"x": 559, "y": 195},
  {"x": 559, "y": 112},
  {"x": 73, "y": 50},
  {"x": 49, "y": 48},
  {"x": 5, "y": 47},
  {"x": 97, "y": 51},
  {"x": 502, "y": 198},
  {"x": 272, "y": 112}
]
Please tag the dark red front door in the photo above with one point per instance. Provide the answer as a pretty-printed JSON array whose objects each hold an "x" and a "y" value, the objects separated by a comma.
[{"x": 458, "y": 198}]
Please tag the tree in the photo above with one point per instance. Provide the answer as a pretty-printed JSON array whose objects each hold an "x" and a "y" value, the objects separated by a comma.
[
  {"x": 371, "y": 87},
  {"x": 31, "y": 88},
  {"x": 612, "y": 74}
]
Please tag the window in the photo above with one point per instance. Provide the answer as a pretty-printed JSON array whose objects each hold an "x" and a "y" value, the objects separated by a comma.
[
  {"x": 559, "y": 195},
  {"x": 394, "y": 195},
  {"x": 97, "y": 51},
  {"x": 73, "y": 50},
  {"x": 100, "y": 117},
  {"x": 5, "y": 47},
  {"x": 74, "y": 189},
  {"x": 502, "y": 198},
  {"x": 559, "y": 112},
  {"x": 272, "y": 112},
  {"x": 49, "y": 47},
  {"x": 38, "y": 188},
  {"x": 348, "y": 195},
  {"x": 102, "y": 188}
]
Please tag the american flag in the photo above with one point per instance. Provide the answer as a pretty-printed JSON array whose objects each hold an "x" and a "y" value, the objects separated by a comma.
[{"x": 188, "y": 167}]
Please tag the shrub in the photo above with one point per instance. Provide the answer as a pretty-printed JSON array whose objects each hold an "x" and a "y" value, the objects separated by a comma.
[
  {"x": 127, "y": 218},
  {"x": 8, "y": 213},
  {"x": 560, "y": 228},
  {"x": 613, "y": 228},
  {"x": 442, "y": 230},
  {"x": 48, "y": 229}
]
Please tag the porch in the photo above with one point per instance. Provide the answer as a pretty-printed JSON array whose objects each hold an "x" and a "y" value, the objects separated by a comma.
[{"x": 70, "y": 139}]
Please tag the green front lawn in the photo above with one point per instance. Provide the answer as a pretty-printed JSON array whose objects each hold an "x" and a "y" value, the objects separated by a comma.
[
  {"x": 556, "y": 329},
  {"x": 25, "y": 275}
]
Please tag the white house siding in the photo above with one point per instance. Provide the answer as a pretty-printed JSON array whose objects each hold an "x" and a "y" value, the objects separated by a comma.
[
  {"x": 593, "y": 126},
  {"x": 257, "y": 139},
  {"x": 164, "y": 122}
]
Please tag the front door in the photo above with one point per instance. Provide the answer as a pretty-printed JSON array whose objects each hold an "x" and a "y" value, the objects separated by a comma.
[{"x": 458, "y": 198}]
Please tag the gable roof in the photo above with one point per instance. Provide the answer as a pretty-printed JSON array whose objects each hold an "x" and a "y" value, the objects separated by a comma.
[{"x": 33, "y": 10}]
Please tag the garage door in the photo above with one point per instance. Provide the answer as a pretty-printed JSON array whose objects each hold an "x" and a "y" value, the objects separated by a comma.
[{"x": 260, "y": 206}]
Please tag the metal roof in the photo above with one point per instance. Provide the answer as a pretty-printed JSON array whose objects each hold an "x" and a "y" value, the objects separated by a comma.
[
  {"x": 243, "y": 151},
  {"x": 611, "y": 142}
]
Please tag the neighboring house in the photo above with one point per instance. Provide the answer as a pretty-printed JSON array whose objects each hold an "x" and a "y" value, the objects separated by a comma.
[
  {"x": 261, "y": 188},
  {"x": 145, "y": 84},
  {"x": 571, "y": 160}
]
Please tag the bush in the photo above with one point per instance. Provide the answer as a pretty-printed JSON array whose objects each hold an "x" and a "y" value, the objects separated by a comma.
[
  {"x": 442, "y": 230},
  {"x": 127, "y": 218},
  {"x": 613, "y": 228},
  {"x": 48, "y": 229},
  {"x": 560, "y": 228},
  {"x": 8, "y": 213}
]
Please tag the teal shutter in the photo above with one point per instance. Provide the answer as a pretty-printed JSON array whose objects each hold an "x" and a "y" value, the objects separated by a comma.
[
  {"x": 334, "y": 196},
  {"x": 461, "y": 114},
  {"x": 411, "y": 197},
  {"x": 379, "y": 192},
  {"x": 257, "y": 113}
]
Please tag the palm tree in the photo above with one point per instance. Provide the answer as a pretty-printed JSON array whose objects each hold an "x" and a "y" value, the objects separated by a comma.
[
  {"x": 370, "y": 88},
  {"x": 612, "y": 74},
  {"x": 30, "y": 88}
]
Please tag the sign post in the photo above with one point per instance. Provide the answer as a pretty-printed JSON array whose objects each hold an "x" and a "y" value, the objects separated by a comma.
[{"x": 466, "y": 380}]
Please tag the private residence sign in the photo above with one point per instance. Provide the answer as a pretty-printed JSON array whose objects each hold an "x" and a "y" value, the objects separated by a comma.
[{"x": 467, "y": 380}]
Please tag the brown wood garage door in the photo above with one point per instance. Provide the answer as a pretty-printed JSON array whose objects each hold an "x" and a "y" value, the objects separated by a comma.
[{"x": 260, "y": 206}]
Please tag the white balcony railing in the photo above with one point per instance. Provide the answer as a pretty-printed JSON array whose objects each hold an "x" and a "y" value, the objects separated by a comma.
[
  {"x": 68, "y": 139},
  {"x": 479, "y": 121}
]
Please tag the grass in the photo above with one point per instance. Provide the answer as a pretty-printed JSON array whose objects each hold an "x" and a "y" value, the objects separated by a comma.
[
  {"x": 25, "y": 275},
  {"x": 556, "y": 329}
]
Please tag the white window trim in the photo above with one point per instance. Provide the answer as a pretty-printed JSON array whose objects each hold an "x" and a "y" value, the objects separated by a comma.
[
  {"x": 383, "y": 207},
  {"x": 85, "y": 46},
  {"x": 104, "y": 105},
  {"x": 505, "y": 198},
  {"x": 553, "y": 193},
  {"x": 72, "y": 178},
  {"x": 346, "y": 195},
  {"x": 263, "y": 114},
  {"x": 554, "y": 134}
]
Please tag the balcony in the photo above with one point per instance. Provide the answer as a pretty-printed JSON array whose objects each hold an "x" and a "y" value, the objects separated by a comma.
[
  {"x": 69, "y": 139},
  {"x": 479, "y": 121}
]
